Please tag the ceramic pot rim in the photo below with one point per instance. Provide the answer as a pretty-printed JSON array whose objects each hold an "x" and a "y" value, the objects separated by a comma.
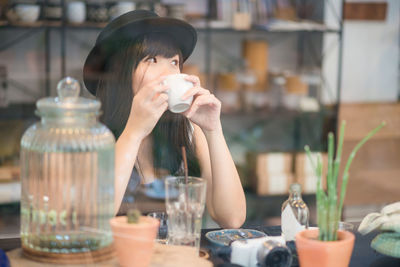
[{"x": 344, "y": 237}]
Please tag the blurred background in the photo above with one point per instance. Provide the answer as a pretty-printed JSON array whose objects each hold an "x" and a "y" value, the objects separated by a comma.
[{"x": 286, "y": 71}]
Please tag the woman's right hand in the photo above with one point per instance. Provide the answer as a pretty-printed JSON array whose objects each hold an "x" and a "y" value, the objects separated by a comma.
[{"x": 148, "y": 105}]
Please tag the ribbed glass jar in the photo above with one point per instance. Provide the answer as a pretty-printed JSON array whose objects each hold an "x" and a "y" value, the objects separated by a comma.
[{"x": 67, "y": 176}]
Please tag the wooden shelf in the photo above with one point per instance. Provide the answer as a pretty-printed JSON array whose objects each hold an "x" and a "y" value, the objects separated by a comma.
[
  {"x": 51, "y": 24},
  {"x": 272, "y": 27}
]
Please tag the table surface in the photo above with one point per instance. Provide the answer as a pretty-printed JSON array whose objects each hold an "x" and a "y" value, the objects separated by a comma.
[{"x": 363, "y": 255}]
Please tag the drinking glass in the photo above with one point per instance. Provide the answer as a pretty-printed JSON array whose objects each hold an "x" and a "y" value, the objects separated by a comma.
[
  {"x": 346, "y": 226},
  {"x": 185, "y": 202}
]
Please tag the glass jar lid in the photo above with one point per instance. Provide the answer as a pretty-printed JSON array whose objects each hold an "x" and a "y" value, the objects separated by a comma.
[{"x": 68, "y": 102}]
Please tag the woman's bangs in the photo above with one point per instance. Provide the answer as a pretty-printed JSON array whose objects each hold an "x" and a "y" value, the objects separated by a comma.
[{"x": 158, "y": 44}]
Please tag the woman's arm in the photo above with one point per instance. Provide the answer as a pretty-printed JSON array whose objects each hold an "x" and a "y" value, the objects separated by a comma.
[{"x": 226, "y": 202}]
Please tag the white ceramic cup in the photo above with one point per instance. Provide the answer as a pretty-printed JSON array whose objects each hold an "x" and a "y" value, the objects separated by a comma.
[
  {"x": 121, "y": 8},
  {"x": 177, "y": 88},
  {"x": 76, "y": 12},
  {"x": 27, "y": 12}
]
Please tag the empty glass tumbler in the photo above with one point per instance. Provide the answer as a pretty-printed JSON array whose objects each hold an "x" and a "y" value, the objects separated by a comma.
[
  {"x": 67, "y": 176},
  {"x": 185, "y": 202}
]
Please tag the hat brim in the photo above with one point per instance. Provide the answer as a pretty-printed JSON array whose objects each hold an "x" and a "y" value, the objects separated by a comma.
[{"x": 182, "y": 33}]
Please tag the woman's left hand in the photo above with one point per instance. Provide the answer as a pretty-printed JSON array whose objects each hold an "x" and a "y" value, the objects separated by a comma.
[{"x": 205, "y": 109}]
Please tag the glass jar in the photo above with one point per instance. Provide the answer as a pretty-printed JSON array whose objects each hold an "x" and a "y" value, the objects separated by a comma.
[
  {"x": 295, "y": 213},
  {"x": 67, "y": 177}
]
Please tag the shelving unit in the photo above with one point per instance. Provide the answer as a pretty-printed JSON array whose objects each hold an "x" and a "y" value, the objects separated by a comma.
[
  {"x": 303, "y": 28},
  {"x": 276, "y": 26}
]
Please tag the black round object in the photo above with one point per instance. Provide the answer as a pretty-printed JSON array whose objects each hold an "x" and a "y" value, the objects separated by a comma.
[
  {"x": 278, "y": 257},
  {"x": 274, "y": 254}
]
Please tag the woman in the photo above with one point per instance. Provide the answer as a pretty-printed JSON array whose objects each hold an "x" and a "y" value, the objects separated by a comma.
[{"x": 125, "y": 70}]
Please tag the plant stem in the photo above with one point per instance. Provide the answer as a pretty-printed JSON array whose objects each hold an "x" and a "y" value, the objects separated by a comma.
[
  {"x": 336, "y": 174},
  {"x": 339, "y": 151},
  {"x": 320, "y": 196},
  {"x": 332, "y": 189},
  {"x": 322, "y": 204}
]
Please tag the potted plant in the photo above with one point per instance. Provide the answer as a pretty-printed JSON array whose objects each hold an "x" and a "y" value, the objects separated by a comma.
[
  {"x": 134, "y": 237},
  {"x": 327, "y": 246}
]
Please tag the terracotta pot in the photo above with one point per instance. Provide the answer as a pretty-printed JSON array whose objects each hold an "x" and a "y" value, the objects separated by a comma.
[
  {"x": 134, "y": 242},
  {"x": 315, "y": 253}
]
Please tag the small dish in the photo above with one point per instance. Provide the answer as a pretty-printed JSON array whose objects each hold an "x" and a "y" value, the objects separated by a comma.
[{"x": 227, "y": 236}]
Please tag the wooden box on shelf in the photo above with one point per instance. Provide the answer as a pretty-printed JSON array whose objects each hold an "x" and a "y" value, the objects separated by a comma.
[
  {"x": 305, "y": 174},
  {"x": 294, "y": 85},
  {"x": 255, "y": 53},
  {"x": 270, "y": 173}
]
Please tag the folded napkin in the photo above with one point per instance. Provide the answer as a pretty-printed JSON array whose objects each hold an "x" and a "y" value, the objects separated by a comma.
[{"x": 388, "y": 221}]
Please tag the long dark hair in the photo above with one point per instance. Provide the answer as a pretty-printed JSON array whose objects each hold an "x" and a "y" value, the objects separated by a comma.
[{"x": 116, "y": 95}]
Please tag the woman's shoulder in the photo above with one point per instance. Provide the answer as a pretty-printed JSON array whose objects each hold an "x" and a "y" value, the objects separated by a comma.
[
  {"x": 198, "y": 136},
  {"x": 196, "y": 130}
]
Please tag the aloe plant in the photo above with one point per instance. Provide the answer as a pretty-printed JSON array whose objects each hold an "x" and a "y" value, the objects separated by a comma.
[{"x": 330, "y": 203}]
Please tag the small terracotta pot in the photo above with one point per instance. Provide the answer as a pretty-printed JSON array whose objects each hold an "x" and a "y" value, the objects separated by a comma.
[
  {"x": 134, "y": 242},
  {"x": 315, "y": 253}
]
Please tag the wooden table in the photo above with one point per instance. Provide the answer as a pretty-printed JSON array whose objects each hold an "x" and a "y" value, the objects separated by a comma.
[
  {"x": 163, "y": 256},
  {"x": 363, "y": 255}
]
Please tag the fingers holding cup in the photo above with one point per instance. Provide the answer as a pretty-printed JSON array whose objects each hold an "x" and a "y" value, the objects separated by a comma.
[
  {"x": 160, "y": 99},
  {"x": 205, "y": 100},
  {"x": 195, "y": 92},
  {"x": 157, "y": 87},
  {"x": 193, "y": 79}
]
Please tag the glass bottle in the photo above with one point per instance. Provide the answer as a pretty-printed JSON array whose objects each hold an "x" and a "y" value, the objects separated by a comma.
[
  {"x": 295, "y": 214},
  {"x": 67, "y": 178}
]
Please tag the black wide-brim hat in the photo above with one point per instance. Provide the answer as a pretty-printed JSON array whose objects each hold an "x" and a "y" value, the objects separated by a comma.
[{"x": 129, "y": 26}]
